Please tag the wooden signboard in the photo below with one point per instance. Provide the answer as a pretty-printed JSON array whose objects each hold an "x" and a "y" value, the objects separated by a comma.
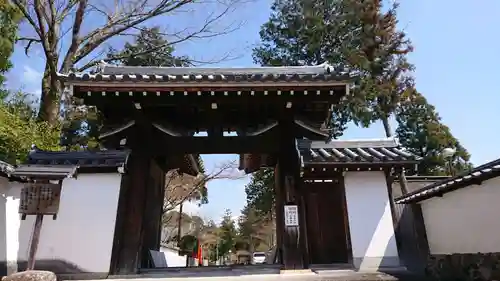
[{"x": 40, "y": 199}]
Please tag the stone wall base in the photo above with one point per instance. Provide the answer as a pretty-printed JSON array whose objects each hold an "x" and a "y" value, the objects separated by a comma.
[
  {"x": 464, "y": 267},
  {"x": 369, "y": 263}
]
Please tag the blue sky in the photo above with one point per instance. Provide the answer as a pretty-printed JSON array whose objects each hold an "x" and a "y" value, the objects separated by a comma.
[{"x": 456, "y": 55}]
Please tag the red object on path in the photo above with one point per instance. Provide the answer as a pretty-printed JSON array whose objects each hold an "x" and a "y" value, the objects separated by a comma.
[{"x": 199, "y": 255}]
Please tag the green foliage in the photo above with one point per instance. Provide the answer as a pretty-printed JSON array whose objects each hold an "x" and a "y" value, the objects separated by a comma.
[
  {"x": 227, "y": 234},
  {"x": 421, "y": 132},
  {"x": 260, "y": 193},
  {"x": 350, "y": 34},
  {"x": 81, "y": 128},
  {"x": 188, "y": 245},
  {"x": 150, "y": 48},
  {"x": 376, "y": 52},
  {"x": 82, "y": 123},
  {"x": 9, "y": 21},
  {"x": 302, "y": 32},
  {"x": 19, "y": 129},
  {"x": 254, "y": 231}
]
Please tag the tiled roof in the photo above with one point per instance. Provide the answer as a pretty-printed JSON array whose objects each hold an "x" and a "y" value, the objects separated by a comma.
[
  {"x": 82, "y": 159},
  {"x": 323, "y": 72},
  {"x": 53, "y": 172},
  {"x": 100, "y": 159},
  {"x": 475, "y": 176},
  {"x": 381, "y": 151}
]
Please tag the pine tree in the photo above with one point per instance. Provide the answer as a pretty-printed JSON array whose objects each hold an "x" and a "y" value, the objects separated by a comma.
[
  {"x": 376, "y": 51},
  {"x": 150, "y": 48},
  {"x": 351, "y": 34},
  {"x": 301, "y": 32},
  {"x": 260, "y": 193},
  {"x": 421, "y": 131},
  {"x": 227, "y": 234},
  {"x": 255, "y": 232}
]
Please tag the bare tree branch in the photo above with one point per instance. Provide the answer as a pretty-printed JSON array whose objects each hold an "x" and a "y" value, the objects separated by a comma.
[
  {"x": 184, "y": 188},
  {"x": 203, "y": 32},
  {"x": 94, "y": 23}
]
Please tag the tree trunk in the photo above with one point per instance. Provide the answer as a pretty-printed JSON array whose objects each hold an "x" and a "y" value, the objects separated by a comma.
[
  {"x": 387, "y": 126},
  {"x": 51, "y": 97},
  {"x": 179, "y": 225}
]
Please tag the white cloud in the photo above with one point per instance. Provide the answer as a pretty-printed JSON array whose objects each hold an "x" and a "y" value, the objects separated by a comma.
[{"x": 31, "y": 76}]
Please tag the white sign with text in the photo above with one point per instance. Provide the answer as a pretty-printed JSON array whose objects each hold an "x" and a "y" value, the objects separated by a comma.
[{"x": 291, "y": 215}]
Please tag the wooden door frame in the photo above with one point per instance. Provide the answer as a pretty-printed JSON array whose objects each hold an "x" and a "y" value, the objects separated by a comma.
[
  {"x": 303, "y": 193},
  {"x": 346, "y": 221}
]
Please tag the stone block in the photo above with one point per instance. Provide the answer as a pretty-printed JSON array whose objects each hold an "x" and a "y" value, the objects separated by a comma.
[
  {"x": 477, "y": 267},
  {"x": 31, "y": 275}
]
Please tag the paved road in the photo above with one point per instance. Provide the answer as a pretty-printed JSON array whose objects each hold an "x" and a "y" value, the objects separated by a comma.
[{"x": 333, "y": 275}]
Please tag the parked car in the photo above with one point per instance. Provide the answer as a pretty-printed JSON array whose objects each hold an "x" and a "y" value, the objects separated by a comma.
[{"x": 258, "y": 258}]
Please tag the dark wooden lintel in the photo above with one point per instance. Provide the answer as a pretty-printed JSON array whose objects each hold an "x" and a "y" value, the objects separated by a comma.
[{"x": 214, "y": 145}]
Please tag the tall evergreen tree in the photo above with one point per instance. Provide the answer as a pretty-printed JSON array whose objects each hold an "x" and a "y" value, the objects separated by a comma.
[
  {"x": 376, "y": 51},
  {"x": 255, "y": 232},
  {"x": 301, "y": 32},
  {"x": 351, "y": 34},
  {"x": 421, "y": 131},
  {"x": 150, "y": 48},
  {"x": 260, "y": 193},
  {"x": 227, "y": 234}
]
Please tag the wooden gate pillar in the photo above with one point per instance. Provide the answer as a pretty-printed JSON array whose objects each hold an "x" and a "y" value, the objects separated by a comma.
[
  {"x": 127, "y": 245},
  {"x": 290, "y": 238}
]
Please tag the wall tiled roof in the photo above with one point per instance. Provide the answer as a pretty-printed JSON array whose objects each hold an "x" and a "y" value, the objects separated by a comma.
[
  {"x": 380, "y": 151},
  {"x": 475, "y": 176}
]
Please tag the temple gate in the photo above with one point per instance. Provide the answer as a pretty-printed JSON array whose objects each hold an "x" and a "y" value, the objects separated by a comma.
[
  {"x": 279, "y": 115},
  {"x": 155, "y": 113}
]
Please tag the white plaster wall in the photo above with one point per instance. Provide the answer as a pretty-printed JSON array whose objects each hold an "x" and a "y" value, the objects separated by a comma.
[
  {"x": 9, "y": 224},
  {"x": 173, "y": 258},
  {"x": 82, "y": 235},
  {"x": 465, "y": 220},
  {"x": 370, "y": 220}
]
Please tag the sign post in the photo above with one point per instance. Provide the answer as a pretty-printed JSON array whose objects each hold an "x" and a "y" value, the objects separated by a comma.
[{"x": 38, "y": 199}]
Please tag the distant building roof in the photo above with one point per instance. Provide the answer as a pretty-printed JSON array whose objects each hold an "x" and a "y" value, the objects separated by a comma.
[
  {"x": 475, "y": 176},
  {"x": 355, "y": 153},
  {"x": 322, "y": 72}
]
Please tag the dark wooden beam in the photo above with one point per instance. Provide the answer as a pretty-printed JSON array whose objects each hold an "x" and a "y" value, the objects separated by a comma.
[
  {"x": 127, "y": 257},
  {"x": 287, "y": 182},
  {"x": 153, "y": 212},
  {"x": 214, "y": 145}
]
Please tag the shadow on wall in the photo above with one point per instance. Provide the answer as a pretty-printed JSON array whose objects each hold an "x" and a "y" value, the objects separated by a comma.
[
  {"x": 413, "y": 246},
  {"x": 380, "y": 252}
]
